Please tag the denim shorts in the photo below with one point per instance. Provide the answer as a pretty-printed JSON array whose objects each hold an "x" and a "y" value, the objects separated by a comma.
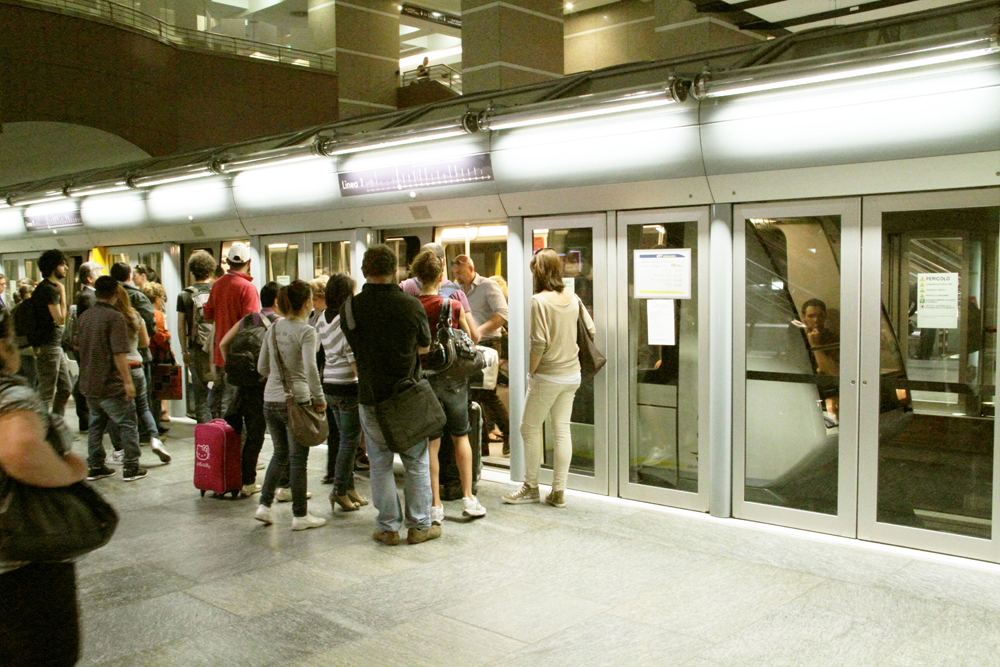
[{"x": 454, "y": 396}]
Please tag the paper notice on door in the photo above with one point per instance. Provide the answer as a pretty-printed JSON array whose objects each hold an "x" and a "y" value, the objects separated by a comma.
[
  {"x": 937, "y": 301},
  {"x": 662, "y": 274},
  {"x": 660, "y": 320}
]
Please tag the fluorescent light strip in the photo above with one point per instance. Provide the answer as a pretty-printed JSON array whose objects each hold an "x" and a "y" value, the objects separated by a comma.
[
  {"x": 40, "y": 199},
  {"x": 500, "y": 124},
  {"x": 389, "y": 143},
  {"x": 153, "y": 180},
  {"x": 262, "y": 163},
  {"x": 97, "y": 189},
  {"x": 882, "y": 68}
]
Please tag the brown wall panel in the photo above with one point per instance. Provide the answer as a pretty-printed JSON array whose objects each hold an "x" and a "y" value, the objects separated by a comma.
[{"x": 160, "y": 98}]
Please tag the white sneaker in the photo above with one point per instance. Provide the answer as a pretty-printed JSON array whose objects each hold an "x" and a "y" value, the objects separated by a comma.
[
  {"x": 472, "y": 507},
  {"x": 157, "y": 446},
  {"x": 437, "y": 515},
  {"x": 260, "y": 465},
  {"x": 263, "y": 514},
  {"x": 306, "y": 522},
  {"x": 284, "y": 495},
  {"x": 115, "y": 458},
  {"x": 249, "y": 489}
]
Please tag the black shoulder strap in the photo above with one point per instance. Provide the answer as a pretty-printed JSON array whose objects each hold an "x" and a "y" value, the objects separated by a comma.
[{"x": 444, "y": 317}]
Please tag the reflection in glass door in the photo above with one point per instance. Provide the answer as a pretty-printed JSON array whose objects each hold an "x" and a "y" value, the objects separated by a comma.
[
  {"x": 928, "y": 389},
  {"x": 660, "y": 453},
  {"x": 796, "y": 296},
  {"x": 581, "y": 242},
  {"x": 282, "y": 260}
]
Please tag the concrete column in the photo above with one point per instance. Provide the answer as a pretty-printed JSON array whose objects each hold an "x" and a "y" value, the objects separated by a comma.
[
  {"x": 683, "y": 31},
  {"x": 363, "y": 35},
  {"x": 510, "y": 44}
]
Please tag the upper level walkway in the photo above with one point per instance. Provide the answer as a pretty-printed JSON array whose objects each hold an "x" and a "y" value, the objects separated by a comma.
[{"x": 196, "y": 581}]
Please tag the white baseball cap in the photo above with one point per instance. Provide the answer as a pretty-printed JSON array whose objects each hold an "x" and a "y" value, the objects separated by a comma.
[{"x": 239, "y": 253}]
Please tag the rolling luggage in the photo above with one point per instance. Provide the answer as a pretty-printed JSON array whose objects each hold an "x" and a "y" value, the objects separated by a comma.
[{"x": 217, "y": 452}]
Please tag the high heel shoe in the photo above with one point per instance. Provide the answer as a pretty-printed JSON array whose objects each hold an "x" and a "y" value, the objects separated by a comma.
[
  {"x": 345, "y": 503},
  {"x": 357, "y": 497}
]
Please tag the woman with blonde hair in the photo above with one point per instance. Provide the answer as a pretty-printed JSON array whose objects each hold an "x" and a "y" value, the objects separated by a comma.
[
  {"x": 159, "y": 344},
  {"x": 553, "y": 377}
]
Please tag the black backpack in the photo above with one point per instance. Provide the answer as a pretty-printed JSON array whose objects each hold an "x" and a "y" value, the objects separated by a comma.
[
  {"x": 244, "y": 350},
  {"x": 25, "y": 323}
]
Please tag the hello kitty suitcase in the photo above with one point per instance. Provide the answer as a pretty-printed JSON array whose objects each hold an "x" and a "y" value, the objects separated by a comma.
[{"x": 217, "y": 453}]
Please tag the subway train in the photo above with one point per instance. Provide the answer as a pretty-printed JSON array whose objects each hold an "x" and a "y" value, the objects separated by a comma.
[{"x": 842, "y": 164}]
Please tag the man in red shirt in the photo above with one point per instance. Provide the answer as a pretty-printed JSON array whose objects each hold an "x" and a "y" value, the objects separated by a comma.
[{"x": 233, "y": 296}]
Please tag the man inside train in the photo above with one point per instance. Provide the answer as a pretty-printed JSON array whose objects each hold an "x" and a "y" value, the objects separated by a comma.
[{"x": 824, "y": 344}]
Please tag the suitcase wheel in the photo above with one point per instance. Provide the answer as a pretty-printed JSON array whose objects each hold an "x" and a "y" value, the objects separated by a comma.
[
  {"x": 235, "y": 494},
  {"x": 203, "y": 494}
]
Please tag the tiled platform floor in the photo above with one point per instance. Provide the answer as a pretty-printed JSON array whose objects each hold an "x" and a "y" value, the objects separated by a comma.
[{"x": 193, "y": 581}]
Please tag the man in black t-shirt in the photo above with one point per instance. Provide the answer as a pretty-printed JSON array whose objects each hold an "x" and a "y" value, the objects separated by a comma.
[
  {"x": 390, "y": 331},
  {"x": 48, "y": 302}
]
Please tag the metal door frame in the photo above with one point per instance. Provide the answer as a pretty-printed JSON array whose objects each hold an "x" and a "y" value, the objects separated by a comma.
[
  {"x": 599, "y": 223},
  {"x": 698, "y": 501},
  {"x": 844, "y": 523},
  {"x": 868, "y": 527}
]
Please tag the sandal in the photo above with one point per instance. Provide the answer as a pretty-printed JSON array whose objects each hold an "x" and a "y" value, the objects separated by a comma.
[
  {"x": 357, "y": 497},
  {"x": 345, "y": 503}
]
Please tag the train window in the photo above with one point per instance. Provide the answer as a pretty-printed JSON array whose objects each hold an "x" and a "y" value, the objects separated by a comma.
[
  {"x": 282, "y": 262},
  {"x": 486, "y": 245},
  {"x": 405, "y": 248},
  {"x": 793, "y": 362}
]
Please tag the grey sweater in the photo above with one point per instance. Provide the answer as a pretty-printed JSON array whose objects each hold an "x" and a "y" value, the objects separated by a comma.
[{"x": 297, "y": 344}]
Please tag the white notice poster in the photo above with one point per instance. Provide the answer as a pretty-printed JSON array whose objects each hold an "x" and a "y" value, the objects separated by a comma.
[
  {"x": 937, "y": 300},
  {"x": 662, "y": 274},
  {"x": 660, "y": 320}
]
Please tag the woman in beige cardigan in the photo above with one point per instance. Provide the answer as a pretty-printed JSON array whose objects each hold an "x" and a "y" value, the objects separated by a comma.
[{"x": 553, "y": 377}]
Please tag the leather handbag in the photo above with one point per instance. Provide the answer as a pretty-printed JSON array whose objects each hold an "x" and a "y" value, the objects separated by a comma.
[
  {"x": 52, "y": 524},
  {"x": 309, "y": 427},
  {"x": 452, "y": 354},
  {"x": 592, "y": 360}
]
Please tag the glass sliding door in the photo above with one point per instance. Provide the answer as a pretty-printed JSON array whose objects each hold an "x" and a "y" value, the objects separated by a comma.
[
  {"x": 796, "y": 298},
  {"x": 581, "y": 242},
  {"x": 663, "y": 344},
  {"x": 929, "y": 323}
]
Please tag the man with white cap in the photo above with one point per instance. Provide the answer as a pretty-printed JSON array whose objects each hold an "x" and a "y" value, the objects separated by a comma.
[{"x": 233, "y": 297}]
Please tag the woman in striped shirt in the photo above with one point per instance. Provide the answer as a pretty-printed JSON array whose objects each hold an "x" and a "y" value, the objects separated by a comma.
[{"x": 340, "y": 384}]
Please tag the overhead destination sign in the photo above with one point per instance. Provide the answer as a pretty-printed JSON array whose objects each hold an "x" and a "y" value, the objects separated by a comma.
[
  {"x": 457, "y": 171},
  {"x": 52, "y": 221}
]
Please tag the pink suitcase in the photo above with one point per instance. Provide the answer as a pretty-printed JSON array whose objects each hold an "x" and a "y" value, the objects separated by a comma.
[{"x": 217, "y": 453}]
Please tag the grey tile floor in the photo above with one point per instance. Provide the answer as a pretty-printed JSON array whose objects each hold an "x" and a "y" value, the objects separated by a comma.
[{"x": 196, "y": 581}]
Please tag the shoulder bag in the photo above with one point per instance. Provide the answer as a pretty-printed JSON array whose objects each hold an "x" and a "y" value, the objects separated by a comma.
[
  {"x": 309, "y": 427},
  {"x": 412, "y": 413},
  {"x": 592, "y": 360},
  {"x": 453, "y": 354}
]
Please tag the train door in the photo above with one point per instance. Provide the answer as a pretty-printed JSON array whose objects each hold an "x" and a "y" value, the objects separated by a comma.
[
  {"x": 663, "y": 455},
  {"x": 582, "y": 241},
  {"x": 928, "y": 475},
  {"x": 796, "y": 297},
  {"x": 291, "y": 257}
]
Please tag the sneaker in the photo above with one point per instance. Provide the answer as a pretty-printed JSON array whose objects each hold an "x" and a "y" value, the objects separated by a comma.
[
  {"x": 157, "y": 446},
  {"x": 249, "y": 489},
  {"x": 418, "y": 535},
  {"x": 387, "y": 538},
  {"x": 526, "y": 494},
  {"x": 472, "y": 507},
  {"x": 437, "y": 515},
  {"x": 284, "y": 495},
  {"x": 260, "y": 465},
  {"x": 115, "y": 458},
  {"x": 132, "y": 473},
  {"x": 263, "y": 514},
  {"x": 306, "y": 522},
  {"x": 555, "y": 498},
  {"x": 98, "y": 473}
]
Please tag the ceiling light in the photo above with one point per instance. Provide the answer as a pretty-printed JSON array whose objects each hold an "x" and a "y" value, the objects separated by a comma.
[
  {"x": 103, "y": 188},
  {"x": 175, "y": 175},
  {"x": 400, "y": 136},
  {"x": 768, "y": 77},
  {"x": 270, "y": 158},
  {"x": 584, "y": 106},
  {"x": 569, "y": 5},
  {"x": 33, "y": 198}
]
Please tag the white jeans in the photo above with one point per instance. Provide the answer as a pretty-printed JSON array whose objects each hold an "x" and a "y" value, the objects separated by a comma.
[{"x": 544, "y": 397}]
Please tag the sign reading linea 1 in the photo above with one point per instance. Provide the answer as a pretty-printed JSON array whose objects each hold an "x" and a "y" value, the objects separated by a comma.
[
  {"x": 937, "y": 300},
  {"x": 50, "y": 221},
  {"x": 456, "y": 171}
]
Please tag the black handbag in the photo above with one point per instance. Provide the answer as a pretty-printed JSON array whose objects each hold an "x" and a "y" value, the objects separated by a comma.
[
  {"x": 52, "y": 524},
  {"x": 309, "y": 427},
  {"x": 413, "y": 412},
  {"x": 592, "y": 360},
  {"x": 452, "y": 354}
]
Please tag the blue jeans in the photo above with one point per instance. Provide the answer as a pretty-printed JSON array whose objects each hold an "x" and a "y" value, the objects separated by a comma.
[
  {"x": 416, "y": 479},
  {"x": 144, "y": 418},
  {"x": 345, "y": 414},
  {"x": 287, "y": 454},
  {"x": 54, "y": 384},
  {"x": 117, "y": 413},
  {"x": 201, "y": 375}
]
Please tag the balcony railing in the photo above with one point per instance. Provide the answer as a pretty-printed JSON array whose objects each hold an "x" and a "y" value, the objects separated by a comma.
[
  {"x": 446, "y": 76},
  {"x": 122, "y": 15}
]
